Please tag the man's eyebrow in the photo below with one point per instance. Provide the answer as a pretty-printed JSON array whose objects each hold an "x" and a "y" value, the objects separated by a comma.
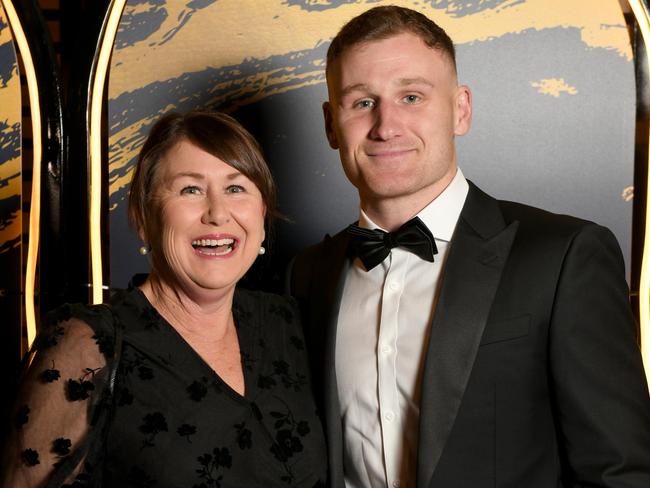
[
  {"x": 414, "y": 81},
  {"x": 363, "y": 87},
  {"x": 353, "y": 88}
]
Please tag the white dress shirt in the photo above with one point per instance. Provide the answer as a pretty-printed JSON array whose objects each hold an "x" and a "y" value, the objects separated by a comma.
[{"x": 381, "y": 343}]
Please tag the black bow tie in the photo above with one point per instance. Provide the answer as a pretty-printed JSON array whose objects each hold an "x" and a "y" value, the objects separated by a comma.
[{"x": 372, "y": 246}]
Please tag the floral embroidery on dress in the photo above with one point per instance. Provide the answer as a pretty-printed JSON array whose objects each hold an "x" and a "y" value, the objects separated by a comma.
[
  {"x": 152, "y": 425},
  {"x": 80, "y": 389},
  {"x": 211, "y": 464},
  {"x": 186, "y": 431},
  {"x": 198, "y": 390},
  {"x": 244, "y": 436}
]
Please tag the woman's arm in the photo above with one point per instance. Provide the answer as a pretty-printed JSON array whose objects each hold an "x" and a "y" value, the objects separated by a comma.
[{"x": 51, "y": 415}]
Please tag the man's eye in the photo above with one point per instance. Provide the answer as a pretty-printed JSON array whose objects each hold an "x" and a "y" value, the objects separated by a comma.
[
  {"x": 365, "y": 104},
  {"x": 190, "y": 190},
  {"x": 411, "y": 98},
  {"x": 235, "y": 189}
]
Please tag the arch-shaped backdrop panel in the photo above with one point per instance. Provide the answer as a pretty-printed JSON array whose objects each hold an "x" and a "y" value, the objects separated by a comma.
[
  {"x": 553, "y": 84},
  {"x": 10, "y": 196},
  {"x": 10, "y": 161}
]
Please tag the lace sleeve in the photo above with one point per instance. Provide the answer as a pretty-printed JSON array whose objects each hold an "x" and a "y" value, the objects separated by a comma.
[{"x": 59, "y": 407}]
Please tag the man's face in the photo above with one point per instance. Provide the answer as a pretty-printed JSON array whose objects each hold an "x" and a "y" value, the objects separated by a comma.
[{"x": 394, "y": 109}]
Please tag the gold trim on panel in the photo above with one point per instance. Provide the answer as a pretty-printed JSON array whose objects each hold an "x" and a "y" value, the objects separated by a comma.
[
  {"x": 35, "y": 203},
  {"x": 114, "y": 13},
  {"x": 642, "y": 16}
]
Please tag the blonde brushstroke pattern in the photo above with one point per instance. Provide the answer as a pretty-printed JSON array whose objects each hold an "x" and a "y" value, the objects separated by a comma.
[
  {"x": 228, "y": 53},
  {"x": 10, "y": 160},
  {"x": 554, "y": 87},
  {"x": 227, "y": 32}
]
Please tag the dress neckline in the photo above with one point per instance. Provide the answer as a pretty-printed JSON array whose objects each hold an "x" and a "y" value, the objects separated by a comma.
[{"x": 247, "y": 337}]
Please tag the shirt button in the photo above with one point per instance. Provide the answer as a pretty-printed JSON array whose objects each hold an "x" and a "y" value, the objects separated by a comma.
[
  {"x": 393, "y": 285},
  {"x": 389, "y": 416},
  {"x": 396, "y": 484},
  {"x": 386, "y": 349}
]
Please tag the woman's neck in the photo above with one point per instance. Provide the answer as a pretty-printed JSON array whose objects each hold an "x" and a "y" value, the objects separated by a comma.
[{"x": 207, "y": 315}]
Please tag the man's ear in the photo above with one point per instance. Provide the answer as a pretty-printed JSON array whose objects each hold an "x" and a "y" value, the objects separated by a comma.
[
  {"x": 463, "y": 110},
  {"x": 329, "y": 127}
]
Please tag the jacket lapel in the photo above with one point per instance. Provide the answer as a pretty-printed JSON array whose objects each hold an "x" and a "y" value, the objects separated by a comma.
[
  {"x": 331, "y": 273},
  {"x": 477, "y": 255}
]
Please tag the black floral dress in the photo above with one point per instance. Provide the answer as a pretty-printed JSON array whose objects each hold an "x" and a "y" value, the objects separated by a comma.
[{"x": 114, "y": 397}]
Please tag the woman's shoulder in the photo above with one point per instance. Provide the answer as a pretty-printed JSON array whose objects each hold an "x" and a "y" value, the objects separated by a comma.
[
  {"x": 78, "y": 325},
  {"x": 271, "y": 313},
  {"x": 275, "y": 320},
  {"x": 266, "y": 303}
]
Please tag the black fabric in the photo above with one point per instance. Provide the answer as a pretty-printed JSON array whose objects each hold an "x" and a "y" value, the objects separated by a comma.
[
  {"x": 372, "y": 246},
  {"x": 170, "y": 420}
]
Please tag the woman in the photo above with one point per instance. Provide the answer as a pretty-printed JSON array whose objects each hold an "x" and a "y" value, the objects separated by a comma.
[{"x": 183, "y": 380}]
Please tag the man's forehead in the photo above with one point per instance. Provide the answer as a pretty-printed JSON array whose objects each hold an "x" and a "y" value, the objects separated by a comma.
[
  {"x": 397, "y": 49},
  {"x": 357, "y": 69},
  {"x": 396, "y": 38},
  {"x": 395, "y": 82}
]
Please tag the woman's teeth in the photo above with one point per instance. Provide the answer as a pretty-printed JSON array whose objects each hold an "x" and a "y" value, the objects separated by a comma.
[{"x": 214, "y": 247}]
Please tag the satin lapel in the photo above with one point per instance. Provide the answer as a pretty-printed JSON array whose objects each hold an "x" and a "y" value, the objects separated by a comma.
[
  {"x": 331, "y": 273},
  {"x": 477, "y": 255}
]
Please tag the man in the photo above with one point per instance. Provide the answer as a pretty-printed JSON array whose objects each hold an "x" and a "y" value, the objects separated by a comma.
[{"x": 502, "y": 353}]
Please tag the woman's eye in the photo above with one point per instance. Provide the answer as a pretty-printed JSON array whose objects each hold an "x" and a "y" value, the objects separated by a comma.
[
  {"x": 190, "y": 190},
  {"x": 235, "y": 189},
  {"x": 411, "y": 98}
]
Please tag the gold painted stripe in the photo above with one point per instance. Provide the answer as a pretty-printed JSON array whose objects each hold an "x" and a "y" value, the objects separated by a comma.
[
  {"x": 220, "y": 34},
  {"x": 35, "y": 204},
  {"x": 643, "y": 20},
  {"x": 114, "y": 13}
]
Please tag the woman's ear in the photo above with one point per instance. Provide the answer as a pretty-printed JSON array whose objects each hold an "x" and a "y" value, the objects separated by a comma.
[{"x": 265, "y": 223}]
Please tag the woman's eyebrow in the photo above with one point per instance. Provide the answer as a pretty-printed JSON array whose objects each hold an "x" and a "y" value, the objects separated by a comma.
[{"x": 201, "y": 176}]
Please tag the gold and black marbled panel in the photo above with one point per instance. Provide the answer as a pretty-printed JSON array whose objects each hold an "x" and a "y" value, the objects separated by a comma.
[
  {"x": 553, "y": 84},
  {"x": 10, "y": 166}
]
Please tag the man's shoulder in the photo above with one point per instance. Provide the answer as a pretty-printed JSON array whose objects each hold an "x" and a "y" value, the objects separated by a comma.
[
  {"x": 316, "y": 261},
  {"x": 534, "y": 226},
  {"x": 329, "y": 243},
  {"x": 524, "y": 213},
  {"x": 529, "y": 216}
]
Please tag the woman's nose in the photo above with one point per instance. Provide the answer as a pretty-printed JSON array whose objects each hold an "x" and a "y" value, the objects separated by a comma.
[{"x": 216, "y": 210}]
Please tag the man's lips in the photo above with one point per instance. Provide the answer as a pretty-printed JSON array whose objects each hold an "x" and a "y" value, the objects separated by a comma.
[{"x": 389, "y": 153}]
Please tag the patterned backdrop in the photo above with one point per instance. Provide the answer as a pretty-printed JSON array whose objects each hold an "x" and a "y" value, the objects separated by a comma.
[
  {"x": 10, "y": 166},
  {"x": 553, "y": 84}
]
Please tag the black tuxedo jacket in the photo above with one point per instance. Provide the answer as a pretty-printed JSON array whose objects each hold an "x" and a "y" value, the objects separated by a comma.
[{"x": 533, "y": 375}]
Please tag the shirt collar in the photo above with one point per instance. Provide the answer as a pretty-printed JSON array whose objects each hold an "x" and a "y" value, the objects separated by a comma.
[{"x": 441, "y": 215}]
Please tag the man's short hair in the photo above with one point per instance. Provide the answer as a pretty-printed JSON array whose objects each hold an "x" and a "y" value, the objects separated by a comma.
[{"x": 383, "y": 22}]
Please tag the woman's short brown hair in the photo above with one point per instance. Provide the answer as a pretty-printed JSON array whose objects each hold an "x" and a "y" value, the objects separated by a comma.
[
  {"x": 215, "y": 133},
  {"x": 383, "y": 22}
]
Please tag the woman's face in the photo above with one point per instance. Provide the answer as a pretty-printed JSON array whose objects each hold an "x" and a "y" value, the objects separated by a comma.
[{"x": 210, "y": 220}]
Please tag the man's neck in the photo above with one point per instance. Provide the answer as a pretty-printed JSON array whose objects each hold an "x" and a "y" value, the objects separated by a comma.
[{"x": 391, "y": 213}]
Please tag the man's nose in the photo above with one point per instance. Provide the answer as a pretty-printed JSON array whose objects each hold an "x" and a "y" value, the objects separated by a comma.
[
  {"x": 387, "y": 122},
  {"x": 216, "y": 211}
]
